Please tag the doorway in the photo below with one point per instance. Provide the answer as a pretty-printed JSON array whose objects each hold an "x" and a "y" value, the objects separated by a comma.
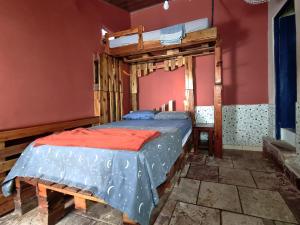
[{"x": 285, "y": 69}]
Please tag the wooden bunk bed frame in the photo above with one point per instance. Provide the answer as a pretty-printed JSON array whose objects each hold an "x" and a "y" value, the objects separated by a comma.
[
  {"x": 147, "y": 56},
  {"x": 109, "y": 67}
]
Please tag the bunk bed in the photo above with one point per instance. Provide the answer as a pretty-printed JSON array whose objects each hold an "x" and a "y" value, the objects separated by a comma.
[
  {"x": 143, "y": 57},
  {"x": 146, "y": 52}
]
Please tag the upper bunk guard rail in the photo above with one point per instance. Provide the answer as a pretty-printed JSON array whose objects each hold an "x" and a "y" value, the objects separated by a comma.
[
  {"x": 13, "y": 142},
  {"x": 192, "y": 39},
  {"x": 138, "y": 30}
]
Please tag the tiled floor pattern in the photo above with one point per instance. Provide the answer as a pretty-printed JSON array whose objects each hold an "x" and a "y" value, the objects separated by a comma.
[{"x": 243, "y": 188}]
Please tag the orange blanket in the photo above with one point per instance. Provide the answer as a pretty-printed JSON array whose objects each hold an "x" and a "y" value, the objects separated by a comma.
[{"x": 110, "y": 138}]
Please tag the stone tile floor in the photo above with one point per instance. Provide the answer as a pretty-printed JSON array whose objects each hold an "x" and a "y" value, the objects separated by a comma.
[{"x": 244, "y": 188}]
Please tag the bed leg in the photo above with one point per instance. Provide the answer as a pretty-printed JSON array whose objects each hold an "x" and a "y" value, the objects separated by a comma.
[
  {"x": 127, "y": 221},
  {"x": 25, "y": 198},
  {"x": 80, "y": 204},
  {"x": 51, "y": 206}
]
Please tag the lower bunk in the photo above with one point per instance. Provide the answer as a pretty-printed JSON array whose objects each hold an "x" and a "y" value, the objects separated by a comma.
[
  {"x": 59, "y": 178},
  {"x": 57, "y": 200}
]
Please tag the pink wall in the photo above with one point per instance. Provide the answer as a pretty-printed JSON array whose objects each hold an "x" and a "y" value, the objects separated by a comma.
[
  {"x": 243, "y": 30},
  {"x": 46, "y": 58}
]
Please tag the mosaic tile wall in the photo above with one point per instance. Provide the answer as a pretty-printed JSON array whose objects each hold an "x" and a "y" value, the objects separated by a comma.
[{"x": 243, "y": 125}]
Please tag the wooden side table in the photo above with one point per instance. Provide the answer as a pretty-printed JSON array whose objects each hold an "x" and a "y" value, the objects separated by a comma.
[{"x": 207, "y": 128}]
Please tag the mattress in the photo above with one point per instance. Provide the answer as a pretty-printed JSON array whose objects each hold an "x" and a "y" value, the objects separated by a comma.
[
  {"x": 189, "y": 27},
  {"x": 126, "y": 180}
]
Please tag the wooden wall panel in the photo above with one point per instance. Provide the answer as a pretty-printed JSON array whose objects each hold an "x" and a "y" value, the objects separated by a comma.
[
  {"x": 134, "y": 87},
  {"x": 109, "y": 101}
]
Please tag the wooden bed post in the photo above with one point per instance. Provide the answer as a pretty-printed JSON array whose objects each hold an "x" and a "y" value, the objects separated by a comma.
[
  {"x": 189, "y": 102},
  {"x": 96, "y": 72},
  {"x": 218, "y": 102},
  {"x": 134, "y": 87}
]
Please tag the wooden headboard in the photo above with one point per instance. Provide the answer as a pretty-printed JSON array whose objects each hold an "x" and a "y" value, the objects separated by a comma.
[
  {"x": 170, "y": 106},
  {"x": 13, "y": 142}
]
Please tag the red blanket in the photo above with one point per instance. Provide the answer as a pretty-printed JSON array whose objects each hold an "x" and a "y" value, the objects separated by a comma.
[{"x": 110, "y": 138}]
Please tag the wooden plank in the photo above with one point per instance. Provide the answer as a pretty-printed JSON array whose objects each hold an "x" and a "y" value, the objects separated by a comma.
[
  {"x": 171, "y": 105},
  {"x": 133, "y": 79},
  {"x": 189, "y": 101},
  {"x": 218, "y": 65},
  {"x": 46, "y": 128},
  {"x": 150, "y": 66},
  {"x": 80, "y": 204},
  {"x": 139, "y": 70},
  {"x": 218, "y": 121},
  {"x": 117, "y": 106},
  {"x": 112, "y": 110},
  {"x": 180, "y": 61},
  {"x": 162, "y": 57},
  {"x": 141, "y": 42},
  {"x": 126, "y": 32},
  {"x": 173, "y": 64},
  {"x": 104, "y": 106},
  {"x": 166, "y": 65},
  {"x": 103, "y": 73},
  {"x": 69, "y": 191},
  {"x": 145, "y": 69},
  {"x": 189, "y": 73},
  {"x": 97, "y": 103},
  {"x": 13, "y": 150},
  {"x": 134, "y": 102},
  {"x": 7, "y": 165},
  {"x": 191, "y": 39}
]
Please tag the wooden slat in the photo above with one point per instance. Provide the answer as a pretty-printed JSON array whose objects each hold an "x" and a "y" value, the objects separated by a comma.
[
  {"x": 171, "y": 105},
  {"x": 218, "y": 120},
  {"x": 191, "y": 39},
  {"x": 134, "y": 102},
  {"x": 13, "y": 150},
  {"x": 7, "y": 165},
  {"x": 189, "y": 73},
  {"x": 138, "y": 70},
  {"x": 166, "y": 65},
  {"x": 97, "y": 103},
  {"x": 112, "y": 110},
  {"x": 133, "y": 79},
  {"x": 40, "y": 129},
  {"x": 104, "y": 73},
  {"x": 218, "y": 65},
  {"x": 71, "y": 191},
  {"x": 104, "y": 106},
  {"x": 125, "y": 32}
]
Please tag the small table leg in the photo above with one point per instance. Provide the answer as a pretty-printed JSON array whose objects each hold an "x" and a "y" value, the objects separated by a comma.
[{"x": 210, "y": 143}]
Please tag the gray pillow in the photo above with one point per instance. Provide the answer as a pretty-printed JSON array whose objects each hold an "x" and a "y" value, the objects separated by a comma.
[{"x": 171, "y": 116}]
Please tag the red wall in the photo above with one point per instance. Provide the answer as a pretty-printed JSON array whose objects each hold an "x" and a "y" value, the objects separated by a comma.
[
  {"x": 46, "y": 58},
  {"x": 243, "y": 29}
]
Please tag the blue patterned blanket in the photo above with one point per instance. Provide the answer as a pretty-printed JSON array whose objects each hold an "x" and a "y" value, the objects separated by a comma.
[{"x": 125, "y": 180}]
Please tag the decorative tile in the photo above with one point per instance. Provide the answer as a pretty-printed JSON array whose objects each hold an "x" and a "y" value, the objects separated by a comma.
[
  {"x": 243, "y": 125},
  {"x": 220, "y": 196},
  {"x": 180, "y": 192},
  {"x": 188, "y": 214},
  {"x": 272, "y": 122},
  {"x": 229, "y": 218},
  {"x": 236, "y": 177},
  {"x": 205, "y": 173},
  {"x": 265, "y": 204}
]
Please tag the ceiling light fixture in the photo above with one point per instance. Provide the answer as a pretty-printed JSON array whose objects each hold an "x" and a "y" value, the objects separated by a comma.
[{"x": 166, "y": 5}]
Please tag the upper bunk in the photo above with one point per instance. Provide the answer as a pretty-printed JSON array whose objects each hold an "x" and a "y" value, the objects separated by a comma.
[{"x": 135, "y": 45}]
